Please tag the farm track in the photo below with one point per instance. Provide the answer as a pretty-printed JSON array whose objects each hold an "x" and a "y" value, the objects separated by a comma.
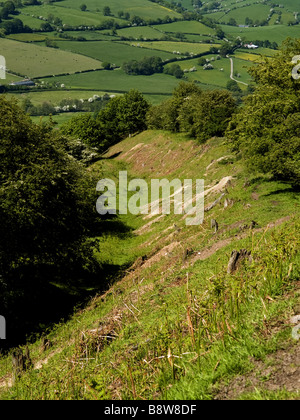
[{"x": 231, "y": 73}]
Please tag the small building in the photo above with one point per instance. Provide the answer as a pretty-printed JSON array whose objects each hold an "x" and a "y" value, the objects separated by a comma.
[
  {"x": 23, "y": 83},
  {"x": 251, "y": 46}
]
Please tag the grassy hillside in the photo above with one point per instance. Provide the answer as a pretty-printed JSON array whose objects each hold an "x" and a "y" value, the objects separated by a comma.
[{"x": 176, "y": 325}]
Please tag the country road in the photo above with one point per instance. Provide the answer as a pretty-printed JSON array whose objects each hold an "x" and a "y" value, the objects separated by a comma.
[{"x": 231, "y": 73}]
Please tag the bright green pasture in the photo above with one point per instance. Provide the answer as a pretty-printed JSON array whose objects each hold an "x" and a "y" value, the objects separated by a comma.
[
  {"x": 57, "y": 119},
  {"x": 142, "y": 8},
  {"x": 257, "y": 12},
  {"x": 117, "y": 80},
  {"x": 187, "y": 27},
  {"x": 215, "y": 78},
  {"x": 182, "y": 47},
  {"x": 36, "y": 61},
  {"x": 55, "y": 97},
  {"x": 113, "y": 52},
  {"x": 27, "y": 19},
  {"x": 69, "y": 15},
  {"x": 277, "y": 33},
  {"x": 148, "y": 32}
]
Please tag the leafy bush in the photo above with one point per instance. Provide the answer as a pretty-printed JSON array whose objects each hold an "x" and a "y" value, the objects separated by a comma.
[
  {"x": 123, "y": 115},
  {"x": 201, "y": 114}
]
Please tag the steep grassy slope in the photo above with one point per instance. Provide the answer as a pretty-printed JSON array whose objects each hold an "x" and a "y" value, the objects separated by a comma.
[{"x": 177, "y": 325}]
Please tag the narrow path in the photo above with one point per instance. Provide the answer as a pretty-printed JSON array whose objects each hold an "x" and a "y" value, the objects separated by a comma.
[{"x": 231, "y": 73}]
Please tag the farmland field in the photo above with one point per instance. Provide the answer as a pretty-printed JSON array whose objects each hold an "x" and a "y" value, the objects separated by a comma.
[
  {"x": 40, "y": 61},
  {"x": 113, "y": 52},
  {"x": 277, "y": 33},
  {"x": 80, "y": 47},
  {"x": 141, "y": 32},
  {"x": 259, "y": 12},
  {"x": 144, "y": 9},
  {"x": 182, "y": 47},
  {"x": 69, "y": 16},
  {"x": 215, "y": 78},
  {"x": 58, "y": 119},
  {"x": 117, "y": 80},
  {"x": 55, "y": 97},
  {"x": 190, "y": 27}
]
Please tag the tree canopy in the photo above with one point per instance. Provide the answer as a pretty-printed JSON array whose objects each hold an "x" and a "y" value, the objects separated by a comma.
[
  {"x": 123, "y": 115},
  {"x": 47, "y": 210},
  {"x": 202, "y": 114},
  {"x": 267, "y": 128}
]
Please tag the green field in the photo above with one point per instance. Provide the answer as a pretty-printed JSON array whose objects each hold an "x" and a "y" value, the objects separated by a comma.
[
  {"x": 29, "y": 20},
  {"x": 69, "y": 16},
  {"x": 277, "y": 33},
  {"x": 174, "y": 47},
  {"x": 142, "y": 8},
  {"x": 30, "y": 37},
  {"x": 257, "y": 12},
  {"x": 117, "y": 80},
  {"x": 57, "y": 119},
  {"x": 145, "y": 32},
  {"x": 215, "y": 78},
  {"x": 35, "y": 61},
  {"x": 55, "y": 97},
  {"x": 113, "y": 52},
  {"x": 187, "y": 27}
]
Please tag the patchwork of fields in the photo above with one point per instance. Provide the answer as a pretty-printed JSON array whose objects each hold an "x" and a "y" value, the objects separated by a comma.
[{"x": 72, "y": 46}]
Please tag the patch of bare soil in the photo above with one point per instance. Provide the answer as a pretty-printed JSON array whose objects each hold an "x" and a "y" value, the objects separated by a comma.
[
  {"x": 280, "y": 371},
  {"x": 163, "y": 253},
  {"x": 209, "y": 251}
]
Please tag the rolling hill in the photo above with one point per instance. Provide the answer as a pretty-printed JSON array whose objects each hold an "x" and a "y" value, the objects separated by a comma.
[{"x": 140, "y": 29}]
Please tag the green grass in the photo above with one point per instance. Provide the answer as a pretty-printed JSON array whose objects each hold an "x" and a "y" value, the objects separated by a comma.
[
  {"x": 186, "y": 27},
  {"x": 145, "y": 32},
  {"x": 117, "y": 80},
  {"x": 31, "y": 37},
  {"x": 27, "y": 19},
  {"x": 68, "y": 15},
  {"x": 257, "y": 12},
  {"x": 38, "y": 61},
  {"x": 182, "y": 47},
  {"x": 113, "y": 52},
  {"x": 55, "y": 97},
  {"x": 10, "y": 78},
  {"x": 135, "y": 7},
  {"x": 277, "y": 33},
  {"x": 180, "y": 332},
  {"x": 57, "y": 119},
  {"x": 214, "y": 78}
]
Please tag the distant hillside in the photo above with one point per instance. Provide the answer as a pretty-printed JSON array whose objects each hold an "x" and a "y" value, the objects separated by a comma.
[{"x": 98, "y": 32}]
